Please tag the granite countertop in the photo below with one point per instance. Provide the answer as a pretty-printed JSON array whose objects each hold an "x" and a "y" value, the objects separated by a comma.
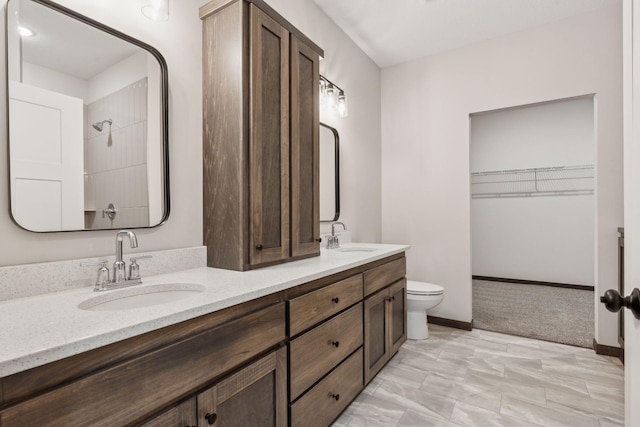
[{"x": 42, "y": 329}]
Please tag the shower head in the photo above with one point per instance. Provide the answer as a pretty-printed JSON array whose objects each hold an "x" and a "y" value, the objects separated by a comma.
[{"x": 98, "y": 125}]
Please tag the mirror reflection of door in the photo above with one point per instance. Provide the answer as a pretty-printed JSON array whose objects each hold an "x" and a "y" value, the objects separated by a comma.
[
  {"x": 86, "y": 116},
  {"x": 46, "y": 168}
]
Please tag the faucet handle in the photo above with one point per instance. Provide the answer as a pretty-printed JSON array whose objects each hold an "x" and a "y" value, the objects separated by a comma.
[
  {"x": 134, "y": 268},
  {"x": 103, "y": 273}
]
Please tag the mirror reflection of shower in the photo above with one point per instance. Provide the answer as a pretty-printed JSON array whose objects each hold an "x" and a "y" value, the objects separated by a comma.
[{"x": 99, "y": 125}]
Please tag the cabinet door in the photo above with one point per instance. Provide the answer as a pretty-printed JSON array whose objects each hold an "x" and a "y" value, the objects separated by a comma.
[
  {"x": 305, "y": 128},
  {"x": 376, "y": 340},
  {"x": 397, "y": 315},
  {"x": 183, "y": 415},
  {"x": 269, "y": 139},
  {"x": 256, "y": 396}
]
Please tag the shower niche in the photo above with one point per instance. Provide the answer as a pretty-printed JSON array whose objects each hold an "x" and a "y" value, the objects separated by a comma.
[{"x": 87, "y": 123}]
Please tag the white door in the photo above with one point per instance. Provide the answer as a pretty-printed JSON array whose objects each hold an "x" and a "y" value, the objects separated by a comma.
[
  {"x": 47, "y": 160},
  {"x": 631, "y": 38}
]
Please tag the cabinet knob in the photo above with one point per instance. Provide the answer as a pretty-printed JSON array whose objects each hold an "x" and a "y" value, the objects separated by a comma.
[
  {"x": 211, "y": 418},
  {"x": 319, "y": 240},
  {"x": 335, "y": 300},
  {"x": 259, "y": 247},
  {"x": 336, "y": 344},
  {"x": 336, "y": 397}
]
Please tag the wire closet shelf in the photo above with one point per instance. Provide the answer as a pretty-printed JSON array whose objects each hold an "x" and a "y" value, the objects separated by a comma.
[{"x": 549, "y": 181}]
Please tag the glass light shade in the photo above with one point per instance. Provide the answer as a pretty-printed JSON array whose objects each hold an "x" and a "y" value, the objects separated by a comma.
[
  {"x": 331, "y": 97},
  {"x": 323, "y": 93},
  {"x": 343, "y": 108},
  {"x": 156, "y": 10}
]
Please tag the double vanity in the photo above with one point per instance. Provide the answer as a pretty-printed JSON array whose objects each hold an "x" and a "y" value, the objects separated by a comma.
[
  {"x": 291, "y": 344},
  {"x": 274, "y": 331}
]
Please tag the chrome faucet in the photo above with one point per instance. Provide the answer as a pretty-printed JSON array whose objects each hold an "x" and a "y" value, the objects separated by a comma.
[
  {"x": 333, "y": 241},
  {"x": 119, "y": 267},
  {"x": 120, "y": 279}
]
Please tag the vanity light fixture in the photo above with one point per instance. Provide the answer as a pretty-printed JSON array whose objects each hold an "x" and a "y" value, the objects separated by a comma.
[
  {"x": 156, "y": 10},
  {"x": 332, "y": 98},
  {"x": 343, "y": 109}
]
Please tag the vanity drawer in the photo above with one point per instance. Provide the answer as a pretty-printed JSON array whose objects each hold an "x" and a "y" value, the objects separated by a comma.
[
  {"x": 331, "y": 395},
  {"x": 315, "y": 353},
  {"x": 384, "y": 275},
  {"x": 307, "y": 310}
]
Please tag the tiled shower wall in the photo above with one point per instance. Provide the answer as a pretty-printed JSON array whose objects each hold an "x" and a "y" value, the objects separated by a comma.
[{"x": 116, "y": 159}]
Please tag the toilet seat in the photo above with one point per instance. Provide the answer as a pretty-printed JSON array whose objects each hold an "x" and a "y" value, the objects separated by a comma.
[{"x": 423, "y": 288}]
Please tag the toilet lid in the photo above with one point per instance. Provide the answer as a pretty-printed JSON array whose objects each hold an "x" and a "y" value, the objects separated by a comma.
[{"x": 423, "y": 288}]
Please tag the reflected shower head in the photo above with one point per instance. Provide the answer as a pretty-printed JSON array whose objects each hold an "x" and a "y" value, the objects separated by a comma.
[{"x": 98, "y": 125}]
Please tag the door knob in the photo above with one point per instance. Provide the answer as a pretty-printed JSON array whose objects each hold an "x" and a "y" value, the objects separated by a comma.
[{"x": 614, "y": 302}]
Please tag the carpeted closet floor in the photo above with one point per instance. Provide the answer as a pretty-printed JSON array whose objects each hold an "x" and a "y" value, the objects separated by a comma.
[{"x": 540, "y": 312}]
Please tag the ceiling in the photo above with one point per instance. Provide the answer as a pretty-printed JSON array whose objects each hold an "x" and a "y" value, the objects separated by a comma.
[
  {"x": 394, "y": 31},
  {"x": 67, "y": 45}
]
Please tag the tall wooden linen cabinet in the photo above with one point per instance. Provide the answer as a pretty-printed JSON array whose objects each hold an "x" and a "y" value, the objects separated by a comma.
[{"x": 261, "y": 136}]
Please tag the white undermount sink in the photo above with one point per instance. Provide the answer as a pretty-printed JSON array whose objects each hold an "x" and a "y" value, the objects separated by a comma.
[
  {"x": 140, "y": 297},
  {"x": 356, "y": 249}
]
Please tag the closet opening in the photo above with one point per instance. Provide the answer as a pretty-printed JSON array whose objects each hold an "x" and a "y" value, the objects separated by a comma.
[{"x": 533, "y": 200}]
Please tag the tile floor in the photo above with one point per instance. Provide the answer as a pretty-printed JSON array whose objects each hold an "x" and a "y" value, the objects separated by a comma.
[{"x": 481, "y": 378}]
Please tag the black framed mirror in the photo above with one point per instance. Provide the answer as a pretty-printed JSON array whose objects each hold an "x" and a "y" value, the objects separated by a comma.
[
  {"x": 329, "y": 173},
  {"x": 88, "y": 123}
]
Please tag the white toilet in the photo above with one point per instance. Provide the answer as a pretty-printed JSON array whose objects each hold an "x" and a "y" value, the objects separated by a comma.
[{"x": 421, "y": 296}]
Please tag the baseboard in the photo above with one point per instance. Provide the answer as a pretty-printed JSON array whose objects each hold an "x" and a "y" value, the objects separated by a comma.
[
  {"x": 606, "y": 350},
  {"x": 467, "y": 326},
  {"x": 534, "y": 282}
]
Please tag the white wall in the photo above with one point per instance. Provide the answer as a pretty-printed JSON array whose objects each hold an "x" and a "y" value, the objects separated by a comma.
[
  {"x": 180, "y": 42},
  {"x": 119, "y": 75},
  {"x": 548, "y": 238},
  {"x": 348, "y": 67},
  {"x": 425, "y": 142},
  {"x": 46, "y": 78}
]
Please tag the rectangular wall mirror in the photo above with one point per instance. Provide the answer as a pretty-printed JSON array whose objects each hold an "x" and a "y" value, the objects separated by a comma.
[
  {"x": 329, "y": 173},
  {"x": 88, "y": 144}
]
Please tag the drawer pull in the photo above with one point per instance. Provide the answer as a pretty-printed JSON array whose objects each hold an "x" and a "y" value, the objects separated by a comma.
[
  {"x": 336, "y": 397},
  {"x": 335, "y": 343},
  {"x": 259, "y": 247},
  {"x": 211, "y": 418},
  {"x": 335, "y": 300}
]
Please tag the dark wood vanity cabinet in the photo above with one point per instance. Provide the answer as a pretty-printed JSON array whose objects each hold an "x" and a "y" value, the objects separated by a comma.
[
  {"x": 268, "y": 140},
  {"x": 339, "y": 339},
  {"x": 256, "y": 396},
  {"x": 297, "y": 357},
  {"x": 144, "y": 379},
  {"x": 385, "y": 316},
  {"x": 261, "y": 136},
  {"x": 305, "y": 149}
]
